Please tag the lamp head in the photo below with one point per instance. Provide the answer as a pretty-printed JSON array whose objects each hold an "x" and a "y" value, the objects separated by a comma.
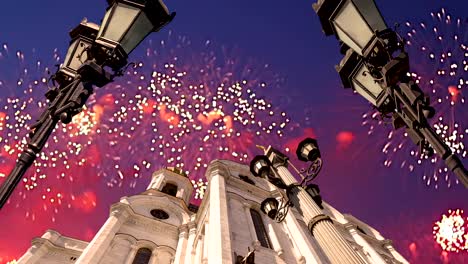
[
  {"x": 82, "y": 38},
  {"x": 260, "y": 166},
  {"x": 127, "y": 23},
  {"x": 308, "y": 150},
  {"x": 355, "y": 74},
  {"x": 269, "y": 207},
  {"x": 352, "y": 21}
]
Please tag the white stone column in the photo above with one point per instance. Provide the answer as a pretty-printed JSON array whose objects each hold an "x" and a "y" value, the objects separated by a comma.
[
  {"x": 388, "y": 245},
  {"x": 101, "y": 241},
  {"x": 131, "y": 255},
  {"x": 206, "y": 243},
  {"x": 376, "y": 258},
  {"x": 181, "y": 244},
  {"x": 154, "y": 257},
  {"x": 328, "y": 237},
  {"x": 273, "y": 238},
  {"x": 220, "y": 237},
  {"x": 191, "y": 239},
  {"x": 198, "y": 252},
  {"x": 250, "y": 223},
  {"x": 298, "y": 238}
]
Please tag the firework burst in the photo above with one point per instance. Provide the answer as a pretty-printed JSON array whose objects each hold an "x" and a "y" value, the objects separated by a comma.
[
  {"x": 185, "y": 109},
  {"x": 179, "y": 105},
  {"x": 439, "y": 61},
  {"x": 450, "y": 232}
]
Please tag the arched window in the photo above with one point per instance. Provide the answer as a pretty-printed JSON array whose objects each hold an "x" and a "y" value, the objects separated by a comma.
[
  {"x": 260, "y": 229},
  {"x": 142, "y": 256},
  {"x": 170, "y": 189}
]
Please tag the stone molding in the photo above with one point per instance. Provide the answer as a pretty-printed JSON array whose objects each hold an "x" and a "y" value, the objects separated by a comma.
[
  {"x": 162, "y": 227},
  {"x": 217, "y": 167}
]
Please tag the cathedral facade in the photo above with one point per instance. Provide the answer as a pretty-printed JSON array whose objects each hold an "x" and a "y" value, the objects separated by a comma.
[{"x": 160, "y": 226}]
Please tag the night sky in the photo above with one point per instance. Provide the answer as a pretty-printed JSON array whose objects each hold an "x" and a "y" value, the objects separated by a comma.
[{"x": 287, "y": 36}]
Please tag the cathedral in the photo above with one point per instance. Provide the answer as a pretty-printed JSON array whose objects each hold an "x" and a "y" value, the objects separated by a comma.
[{"x": 160, "y": 226}]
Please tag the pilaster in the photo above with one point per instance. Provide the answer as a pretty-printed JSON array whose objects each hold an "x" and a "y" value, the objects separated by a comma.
[
  {"x": 101, "y": 241},
  {"x": 376, "y": 258},
  {"x": 206, "y": 243},
  {"x": 189, "y": 252},
  {"x": 131, "y": 255},
  {"x": 219, "y": 231},
  {"x": 250, "y": 224},
  {"x": 181, "y": 244},
  {"x": 274, "y": 238}
]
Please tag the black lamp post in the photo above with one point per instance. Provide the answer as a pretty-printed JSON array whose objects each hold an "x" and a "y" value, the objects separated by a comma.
[
  {"x": 376, "y": 66},
  {"x": 305, "y": 197},
  {"x": 125, "y": 25},
  {"x": 262, "y": 166}
]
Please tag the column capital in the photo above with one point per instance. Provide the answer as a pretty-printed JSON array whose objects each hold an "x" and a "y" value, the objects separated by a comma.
[
  {"x": 256, "y": 244},
  {"x": 280, "y": 253},
  {"x": 246, "y": 205},
  {"x": 217, "y": 167},
  {"x": 183, "y": 230},
  {"x": 134, "y": 246},
  {"x": 276, "y": 157},
  {"x": 120, "y": 210},
  {"x": 192, "y": 226},
  {"x": 352, "y": 228},
  {"x": 387, "y": 243}
]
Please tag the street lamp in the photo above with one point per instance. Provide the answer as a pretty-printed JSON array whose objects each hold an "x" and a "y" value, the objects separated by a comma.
[
  {"x": 308, "y": 150},
  {"x": 376, "y": 66},
  {"x": 92, "y": 49},
  {"x": 125, "y": 24},
  {"x": 82, "y": 38},
  {"x": 305, "y": 197},
  {"x": 270, "y": 207}
]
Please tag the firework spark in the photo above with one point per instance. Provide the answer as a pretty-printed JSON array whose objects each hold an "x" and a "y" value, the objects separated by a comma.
[
  {"x": 450, "y": 232},
  {"x": 439, "y": 61}
]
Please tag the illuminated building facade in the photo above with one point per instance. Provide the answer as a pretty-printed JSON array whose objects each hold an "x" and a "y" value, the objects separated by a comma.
[{"x": 159, "y": 226}]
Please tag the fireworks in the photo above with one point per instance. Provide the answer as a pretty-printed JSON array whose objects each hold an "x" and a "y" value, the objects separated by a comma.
[
  {"x": 200, "y": 188},
  {"x": 439, "y": 64},
  {"x": 450, "y": 232},
  {"x": 185, "y": 109},
  {"x": 179, "y": 105}
]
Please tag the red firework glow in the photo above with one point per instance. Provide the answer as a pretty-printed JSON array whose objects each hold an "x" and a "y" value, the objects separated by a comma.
[{"x": 451, "y": 231}]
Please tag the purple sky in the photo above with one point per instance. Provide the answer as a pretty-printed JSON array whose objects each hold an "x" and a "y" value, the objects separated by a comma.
[{"x": 288, "y": 36}]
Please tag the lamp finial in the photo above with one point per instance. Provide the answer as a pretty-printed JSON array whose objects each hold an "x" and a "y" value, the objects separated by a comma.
[{"x": 261, "y": 147}]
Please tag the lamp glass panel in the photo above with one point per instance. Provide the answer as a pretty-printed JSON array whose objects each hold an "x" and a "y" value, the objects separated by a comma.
[
  {"x": 117, "y": 21},
  {"x": 70, "y": 53},
  {"x": 138, "y": 31},
  {"x": 268, "y": 207},
  {"x": 306, "y": 149},
  {"x": 259, "y": 165},
  {"x": 352, "y": 28},
  {"x": 372, "y": 14},
  {"x": 365, "y": 84},
  {"x": 79, "y": 56}
]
